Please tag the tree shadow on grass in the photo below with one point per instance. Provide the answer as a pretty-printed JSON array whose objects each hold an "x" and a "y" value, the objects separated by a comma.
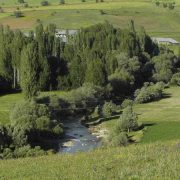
[
  {"x": 10, "y": 92},
  {"x": 141, "y": 127},
  {"x": 148, "y": 124}
]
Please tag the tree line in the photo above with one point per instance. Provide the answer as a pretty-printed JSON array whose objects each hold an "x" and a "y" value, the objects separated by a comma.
[{"x": 121, "y": 59}]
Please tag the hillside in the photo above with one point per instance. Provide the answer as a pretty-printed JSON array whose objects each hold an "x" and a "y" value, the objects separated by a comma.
[
  {"x": 74, "y": 15},
  {"x": 153, "y": 161}
]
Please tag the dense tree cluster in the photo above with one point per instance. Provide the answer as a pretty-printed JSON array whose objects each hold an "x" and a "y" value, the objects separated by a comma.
[
  {"x": 101, "y": 55},
  {"x": 99, "y": 64}
]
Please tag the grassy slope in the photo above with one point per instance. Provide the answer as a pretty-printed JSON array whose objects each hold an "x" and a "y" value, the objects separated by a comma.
[
  {"x": 162, "y": 118},
  {"x": 157, "y": 21},
  {"x": 152, "y": 161},
  {"x": 142, "y": 161}
]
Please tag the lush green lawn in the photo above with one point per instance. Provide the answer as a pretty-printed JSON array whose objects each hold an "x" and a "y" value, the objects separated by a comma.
[
  {"x": 150, "y": 161},
  {"x": 6, "y": 103}
]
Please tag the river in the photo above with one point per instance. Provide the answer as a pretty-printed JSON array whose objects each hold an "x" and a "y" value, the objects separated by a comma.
[{"x": 77, "y": 138}]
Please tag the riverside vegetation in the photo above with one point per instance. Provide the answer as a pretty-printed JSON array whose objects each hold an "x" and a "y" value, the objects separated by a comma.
[
  {"x": 101, "y": 62},
  {"x": 115, "y": 78}
]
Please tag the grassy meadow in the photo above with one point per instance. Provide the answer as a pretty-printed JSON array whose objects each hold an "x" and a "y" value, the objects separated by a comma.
[
  {"x": 161, "y": 119},
  {"x": 150, "y": 161}
]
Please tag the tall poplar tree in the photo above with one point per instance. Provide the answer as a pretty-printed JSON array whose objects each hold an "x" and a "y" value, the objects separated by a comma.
[{"x": 30, "y": 70}]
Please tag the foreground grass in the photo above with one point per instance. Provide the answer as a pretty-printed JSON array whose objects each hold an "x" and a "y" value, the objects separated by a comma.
[{"x": 153, "y": 161}]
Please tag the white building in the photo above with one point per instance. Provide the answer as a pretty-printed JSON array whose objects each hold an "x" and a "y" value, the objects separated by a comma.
[{"x": 166, "y": 41}]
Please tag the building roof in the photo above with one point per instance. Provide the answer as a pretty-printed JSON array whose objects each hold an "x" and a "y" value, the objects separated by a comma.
[
  {"x": 165, "y": 40},
  {"x": 65, "y": 32}
]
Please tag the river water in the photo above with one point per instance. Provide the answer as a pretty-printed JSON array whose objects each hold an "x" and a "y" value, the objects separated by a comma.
[{"x": 77, "y": 138}]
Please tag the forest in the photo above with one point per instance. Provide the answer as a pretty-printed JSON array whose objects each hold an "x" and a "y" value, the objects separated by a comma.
[{"x": 104, "y": 69}]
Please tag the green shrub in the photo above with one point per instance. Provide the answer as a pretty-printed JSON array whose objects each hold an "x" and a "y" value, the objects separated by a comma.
[
  {"x": 149, "y": 92},
  {"x": 175, "y": 81},
  {"x": 18, "y": 14},
  {"x": 120, "y": 139},
  {"x": 32, "y": 122},
  {"x": 127, "y": 121},
  {"x": 44, "y": 3},
  {"x": 108, "y": 109},
  {"x": 5, "y": 139},
  {"x": 126, "y": 103}
]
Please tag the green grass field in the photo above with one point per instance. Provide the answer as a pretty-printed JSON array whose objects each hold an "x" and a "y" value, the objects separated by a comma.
[
  {"x": 161, "y": 118},
  {"x": 150, "y": 161}
]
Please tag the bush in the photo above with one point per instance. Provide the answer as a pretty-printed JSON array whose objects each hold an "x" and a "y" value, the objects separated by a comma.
[
  {"x": 126, "y": 103},
  {"x": 21, "y": 1},
  {"x": 175, "y": 81},
  {"x": 18, "y": 14},
  {"x": 32, "y": 122},
  {"x": 127, "y": 121},
  {"x": 149, "y": 92},
  {"x": 108, "y": 109},
  {"x": 120, "y": 139},
  {"x": 62, "y": 2},
  {"x": 5, "y": 139},
  {"x": 44, "y": 3},
  {"x": 27, "y": 151}
]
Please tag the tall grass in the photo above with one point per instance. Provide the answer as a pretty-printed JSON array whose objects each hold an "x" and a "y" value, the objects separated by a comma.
[{"x": 153, "y": 161}]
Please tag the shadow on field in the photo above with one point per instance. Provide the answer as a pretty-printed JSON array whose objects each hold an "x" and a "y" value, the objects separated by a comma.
[
  {"x": 148, "y": 124},
  {"x": 9, "y": 92},
  {"x": 166, "y": 95}
]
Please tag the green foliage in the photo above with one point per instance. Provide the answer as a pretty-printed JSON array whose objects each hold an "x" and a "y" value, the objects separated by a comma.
[
  {"x": 4, "y": 138},
  {"x": 149, "y": 92},
  {"x": 22, "y": 152},
  {"x": 95, "y": 73},
  {"x": 127, "y": 121},
  {"x": 32, "y": 122},
  {"x": 18, "y": 14},
  {"x": 126, "y": 103},
  {"x": 21, "y": 1},
  {"x": 108, "y": 109},
  {"x": 164, "y": 65},
  {"x": 30, "y": 70},
  {"x": 44, "y": 3},
  {"x": 175, "y": 80},
  {"x": 118, "y": 139}
]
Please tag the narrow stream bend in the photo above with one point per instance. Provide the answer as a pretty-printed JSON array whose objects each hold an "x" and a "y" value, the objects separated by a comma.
[{"x": 77, "y": 138}]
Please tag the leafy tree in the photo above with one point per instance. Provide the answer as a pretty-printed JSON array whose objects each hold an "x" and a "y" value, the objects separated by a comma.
[
  {"x": 128, "y": 120},
  {"x": 95, "y": 73},
  {"x": 30, "y": 70},
  {"x": 42, "y": 58},
  {"x": 175, "y": 80},
  {"x": 163, "y": 67}
]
